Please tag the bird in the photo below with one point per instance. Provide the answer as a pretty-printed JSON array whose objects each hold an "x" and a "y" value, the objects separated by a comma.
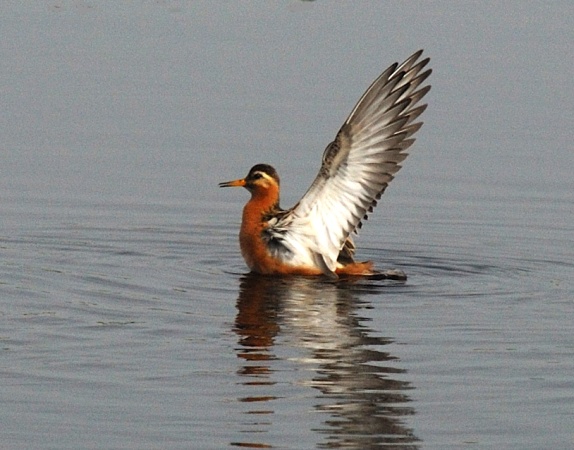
[{"x": 313, "y": 237}]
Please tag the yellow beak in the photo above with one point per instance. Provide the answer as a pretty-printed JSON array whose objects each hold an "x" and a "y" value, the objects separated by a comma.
[{"x": 234, "y": 183}]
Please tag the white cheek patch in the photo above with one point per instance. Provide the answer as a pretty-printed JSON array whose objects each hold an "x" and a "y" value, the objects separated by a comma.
[{"x": 266, "y": 180}]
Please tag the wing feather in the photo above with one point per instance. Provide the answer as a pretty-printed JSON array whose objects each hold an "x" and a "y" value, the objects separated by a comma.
[{"x": 358, "y": 165}]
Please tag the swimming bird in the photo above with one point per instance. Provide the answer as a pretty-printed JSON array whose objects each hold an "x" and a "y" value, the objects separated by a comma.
[{"x": 314, "y": 236}]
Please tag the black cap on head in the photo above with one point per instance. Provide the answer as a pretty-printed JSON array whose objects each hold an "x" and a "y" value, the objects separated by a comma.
[{"x": 265, "y": 168}]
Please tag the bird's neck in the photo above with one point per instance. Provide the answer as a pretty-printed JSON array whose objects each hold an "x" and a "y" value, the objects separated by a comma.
[{"x": 264, "y": 200}]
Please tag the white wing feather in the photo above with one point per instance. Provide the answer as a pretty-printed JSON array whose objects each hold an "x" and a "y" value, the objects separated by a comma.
[{"x": 357, "y": 167}]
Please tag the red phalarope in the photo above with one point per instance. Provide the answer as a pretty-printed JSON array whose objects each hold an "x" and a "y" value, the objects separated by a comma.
[{"x": 313, "y": 237}]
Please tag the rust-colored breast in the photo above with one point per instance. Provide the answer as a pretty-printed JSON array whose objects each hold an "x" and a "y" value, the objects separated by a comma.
[{"x": 253, "y": 247}]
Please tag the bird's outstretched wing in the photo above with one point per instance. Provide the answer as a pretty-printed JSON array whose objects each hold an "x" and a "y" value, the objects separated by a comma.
[{"x": 358, "y": 165}]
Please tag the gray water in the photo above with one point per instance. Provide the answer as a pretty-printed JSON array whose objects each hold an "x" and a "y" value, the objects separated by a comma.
[{"x": 128, "y": 319}]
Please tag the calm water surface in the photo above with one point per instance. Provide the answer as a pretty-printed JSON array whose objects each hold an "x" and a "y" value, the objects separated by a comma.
[{"x": 128, "y": 318}]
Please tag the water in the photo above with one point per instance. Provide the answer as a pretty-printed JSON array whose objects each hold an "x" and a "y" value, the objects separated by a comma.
[{"x": 128, "y": 319}]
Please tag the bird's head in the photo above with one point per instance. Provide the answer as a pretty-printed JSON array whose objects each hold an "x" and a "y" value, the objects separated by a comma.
[{"x": 262, "y": 178}]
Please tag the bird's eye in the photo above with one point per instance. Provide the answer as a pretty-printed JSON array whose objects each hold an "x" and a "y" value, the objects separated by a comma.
[{"x": 256, "y": 176}]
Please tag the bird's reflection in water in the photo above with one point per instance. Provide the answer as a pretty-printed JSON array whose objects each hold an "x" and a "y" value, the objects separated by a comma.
[{"x": 338, "y": 355}]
